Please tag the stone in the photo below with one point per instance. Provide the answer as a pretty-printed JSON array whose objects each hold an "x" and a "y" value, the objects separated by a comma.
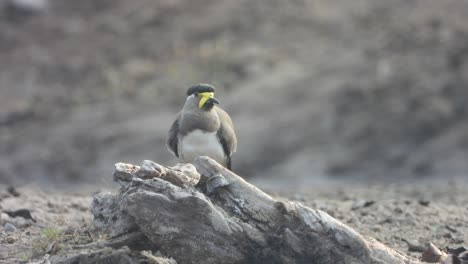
[{"x": 9, "y": 228}]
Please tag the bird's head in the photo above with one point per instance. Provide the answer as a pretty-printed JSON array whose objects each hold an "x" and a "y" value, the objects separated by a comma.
[{"x": 203, "y": 95}]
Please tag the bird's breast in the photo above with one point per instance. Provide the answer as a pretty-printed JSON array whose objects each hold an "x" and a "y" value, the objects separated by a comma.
[{"x": 200, "y": 143}]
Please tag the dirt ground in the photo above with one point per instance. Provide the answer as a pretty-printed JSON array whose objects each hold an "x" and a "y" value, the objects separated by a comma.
[{"x": 391, "y": 213}]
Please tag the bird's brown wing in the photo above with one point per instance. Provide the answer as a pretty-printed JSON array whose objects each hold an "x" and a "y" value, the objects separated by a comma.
[
  {"x": 226, "y": 135},
  {"x": 172, "y": 138}
]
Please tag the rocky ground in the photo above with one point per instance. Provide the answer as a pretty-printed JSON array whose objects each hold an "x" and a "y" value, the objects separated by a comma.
[
  {"x": 392, "y": 213},
  {"x": 57, "y": 219}
]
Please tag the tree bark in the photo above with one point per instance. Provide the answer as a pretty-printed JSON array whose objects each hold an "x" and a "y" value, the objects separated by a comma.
[{"x": 204, "y": 213}]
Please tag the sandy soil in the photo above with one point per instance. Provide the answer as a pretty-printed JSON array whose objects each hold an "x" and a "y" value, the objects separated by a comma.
[
  {"x": 392, "y": 213},
  {"x": 60, "y": 219}
]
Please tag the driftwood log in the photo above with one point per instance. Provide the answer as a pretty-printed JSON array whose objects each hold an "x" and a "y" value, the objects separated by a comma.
[{"x": 204, "y": 213}]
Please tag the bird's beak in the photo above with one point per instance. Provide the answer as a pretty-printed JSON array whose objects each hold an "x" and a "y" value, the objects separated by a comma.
[
  {"x": 213, "y": 100},
  {"x": 207, "y": 97}
]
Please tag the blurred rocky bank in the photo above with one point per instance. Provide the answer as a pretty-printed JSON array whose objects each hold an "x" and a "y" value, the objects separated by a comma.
[{"x": 350, "y": 88}]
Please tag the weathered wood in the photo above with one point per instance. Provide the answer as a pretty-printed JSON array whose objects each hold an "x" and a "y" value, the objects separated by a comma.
[{"x": 211, "y": 215}]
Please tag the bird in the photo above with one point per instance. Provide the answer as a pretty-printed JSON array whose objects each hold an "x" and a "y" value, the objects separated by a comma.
[{"x": 202, "y": 129}]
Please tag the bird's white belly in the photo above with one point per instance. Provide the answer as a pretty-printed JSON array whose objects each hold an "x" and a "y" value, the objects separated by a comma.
[{"x": 199, "y": 143}]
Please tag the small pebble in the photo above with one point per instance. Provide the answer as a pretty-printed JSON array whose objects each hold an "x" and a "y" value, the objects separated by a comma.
[
  {"x": 424, "y": 202},
  {"x": 361, "y": 203},
  {"x": 12, "y": 190},
  {"x": 414, "y": 245},
  {"x": 9, "y": 228},
  {"x": 387, "y": 220},
  {"x": 451, "y": 229},
  {"x": 457, "y": 240},
  {"x": 447, "y": 235},
  {"x": 10, "y": 240}
]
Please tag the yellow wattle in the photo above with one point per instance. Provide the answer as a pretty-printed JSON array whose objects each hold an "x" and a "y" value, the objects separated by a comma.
[{"x": 204, "y": 97}]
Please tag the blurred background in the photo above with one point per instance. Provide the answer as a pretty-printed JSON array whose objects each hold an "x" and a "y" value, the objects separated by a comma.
[{"x": 319, "y": 90}]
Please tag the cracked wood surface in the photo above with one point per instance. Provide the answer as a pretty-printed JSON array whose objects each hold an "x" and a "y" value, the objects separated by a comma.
[{"x": 204, "y": 213}]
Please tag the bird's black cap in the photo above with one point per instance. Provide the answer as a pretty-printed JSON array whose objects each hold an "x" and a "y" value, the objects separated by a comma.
[{"x": 200, "y": 88}]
